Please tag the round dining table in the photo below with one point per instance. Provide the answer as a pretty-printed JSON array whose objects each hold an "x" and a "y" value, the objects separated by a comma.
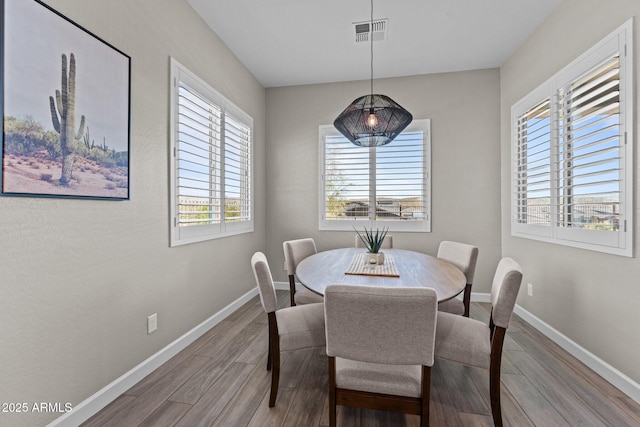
[{"x": 348, "y": 266}]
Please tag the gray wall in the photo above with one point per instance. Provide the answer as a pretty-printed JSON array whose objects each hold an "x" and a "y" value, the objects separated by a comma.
[
  {"x": 79, "y": 277},
  {"x": 590, "y": 297},
  {"x": 464, "y": 112}
]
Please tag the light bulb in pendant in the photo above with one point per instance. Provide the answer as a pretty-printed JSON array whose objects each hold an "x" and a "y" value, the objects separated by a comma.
[{"x": 372, "y": 120}]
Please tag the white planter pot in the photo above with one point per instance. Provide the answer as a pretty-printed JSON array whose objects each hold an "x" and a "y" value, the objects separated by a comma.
[{"x": 375, "y": 258}]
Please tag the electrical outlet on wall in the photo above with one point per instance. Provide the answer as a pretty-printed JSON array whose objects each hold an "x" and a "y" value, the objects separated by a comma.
[
  {"x": 530, "y": 289},
  {"x": 152, "y": 323}
]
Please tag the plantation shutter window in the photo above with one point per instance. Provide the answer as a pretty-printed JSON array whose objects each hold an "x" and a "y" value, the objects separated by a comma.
[
  {"x": 400, "y": 180},
  {"x": 346, "y": 179},
  {"x": 588, "y": 160},
  {"x": 533, "y": 165},
  {"x": 198, "y": 159},
  {"x": 211, "y": 156},
  {"x": 572, "y": 152},
  {"x": 237, "y": 188},
  {"x": 383, "y": 186}
]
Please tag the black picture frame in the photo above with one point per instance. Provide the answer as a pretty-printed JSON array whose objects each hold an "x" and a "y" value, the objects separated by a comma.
[{"x": 65, "y": 107}]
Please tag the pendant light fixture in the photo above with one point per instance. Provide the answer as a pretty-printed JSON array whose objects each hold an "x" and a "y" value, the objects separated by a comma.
[{"x": 372, "y": 120}]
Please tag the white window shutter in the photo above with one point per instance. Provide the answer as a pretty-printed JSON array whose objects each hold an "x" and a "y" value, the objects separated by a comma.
[
  {"x": 385, "y": 186},
  {"x": 572, "y": 152},
  {"x": 211, "y": 156},
  {"x": 532, "y": 168}
]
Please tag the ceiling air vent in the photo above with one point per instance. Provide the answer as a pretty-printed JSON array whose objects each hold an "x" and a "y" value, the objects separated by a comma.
[{"x": 377, "y": 29}]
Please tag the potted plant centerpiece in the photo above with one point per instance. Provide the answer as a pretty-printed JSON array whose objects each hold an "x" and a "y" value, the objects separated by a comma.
[{"x": 373, "y": 242}]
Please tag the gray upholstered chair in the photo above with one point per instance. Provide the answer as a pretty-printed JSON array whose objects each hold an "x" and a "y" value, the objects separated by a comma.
[
  {"x": 387, "y": 243},
  {"x": 294, "y": 252},
  {"x": 380, "y": 348},
  {"x": 474, "y": 343},
  {"x": 464, "y": 257},
  {"x": 290, "y": 328}
]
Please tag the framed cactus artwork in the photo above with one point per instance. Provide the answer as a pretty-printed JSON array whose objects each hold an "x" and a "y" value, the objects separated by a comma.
[{"x": 65, "y": 107}]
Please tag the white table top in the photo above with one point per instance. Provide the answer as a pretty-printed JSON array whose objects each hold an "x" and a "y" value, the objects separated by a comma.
[{"x": 415, "y": 269}]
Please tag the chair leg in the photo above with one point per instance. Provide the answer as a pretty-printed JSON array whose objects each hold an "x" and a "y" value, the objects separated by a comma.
[
  {"x": 494, "y": 375},
  {"x": 292, "y": 290},
  {"x": 466, "y": 299},
  {"x": 426, "y": 396},
  {"x": 332, "y": 392},
  {"x": 269, "y": 361},
  {"x": 275, "y": 358},
  {"x": 275, "y": 378}
]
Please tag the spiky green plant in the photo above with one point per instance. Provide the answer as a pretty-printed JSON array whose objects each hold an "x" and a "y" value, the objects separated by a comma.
[{"x": 372, "y": 241}]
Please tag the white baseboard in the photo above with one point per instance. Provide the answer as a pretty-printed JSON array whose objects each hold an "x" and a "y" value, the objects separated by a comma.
[
  {"x": 92, "y": 405},
  {"x": 480, "y": 297},
  {"x": 602, "y": 368},
  {"x": 284, "y": 286}
]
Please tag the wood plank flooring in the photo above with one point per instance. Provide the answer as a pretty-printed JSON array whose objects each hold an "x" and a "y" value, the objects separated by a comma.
[{"x": 221, "y": 380}]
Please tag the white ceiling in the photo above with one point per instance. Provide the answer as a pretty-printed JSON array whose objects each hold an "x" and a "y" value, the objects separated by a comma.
[{"x": 293, "y": 42}]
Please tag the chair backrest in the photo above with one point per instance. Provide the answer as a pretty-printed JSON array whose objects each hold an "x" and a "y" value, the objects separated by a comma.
[
  {"x": 461, "y": 255},
  {"x": 381, "y": 325},
  {"x": 387, "y": 243},
  {"x": 504, "y": 291},
  {"x": 264, "y": 280},
  {"x": 297, "y": 250}
]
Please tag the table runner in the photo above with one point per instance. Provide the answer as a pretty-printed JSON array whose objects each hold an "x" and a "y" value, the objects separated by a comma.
[{"x": 360, "y": 265}]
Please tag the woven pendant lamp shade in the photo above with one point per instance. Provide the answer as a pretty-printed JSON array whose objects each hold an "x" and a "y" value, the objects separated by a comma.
[{"x": 372, "y": 120}]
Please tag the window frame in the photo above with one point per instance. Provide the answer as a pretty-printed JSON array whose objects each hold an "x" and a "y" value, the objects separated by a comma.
[
  {"x": 617, "y": 242},
  {"x": 181, "y": 235},
  {"x": 424, "y": 225}
]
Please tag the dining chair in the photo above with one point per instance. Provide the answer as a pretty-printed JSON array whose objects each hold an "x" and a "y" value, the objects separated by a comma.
[
  {"x": 294, "y": 252},
  {"x": 380, "y": 346},
  {"x": 474, "y": 343},
  {"x": 290, "y": 328},
  {"x": 464, "y": 257},
  {"x": 387, "y": 243}
]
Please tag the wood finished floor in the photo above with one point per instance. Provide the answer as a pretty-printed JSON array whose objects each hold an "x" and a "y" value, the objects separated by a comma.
[{"x": 221, "y": 380}]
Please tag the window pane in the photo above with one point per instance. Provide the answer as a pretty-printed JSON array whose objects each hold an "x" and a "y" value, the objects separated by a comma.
[
  {"x": 400, "y": 178},
  {"x": 237, "y": 181},
  {"x": 533, "y": 165},
  {"x": 589, "y": 154},
  {"x": 198, "y": 158},
  {"x": 346, "y": 179}
]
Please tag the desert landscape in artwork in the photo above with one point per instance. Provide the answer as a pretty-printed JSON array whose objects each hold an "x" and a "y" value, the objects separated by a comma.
[
  {"x": 65, "y": 109},
  {"x": 37, "y": 174},
  {"x": 65, "y": 161}
]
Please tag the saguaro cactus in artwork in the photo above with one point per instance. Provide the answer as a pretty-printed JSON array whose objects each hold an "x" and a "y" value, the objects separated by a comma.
[
  {"x": 66, "y": 103},
  {"x": 88, "y": 142}
]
